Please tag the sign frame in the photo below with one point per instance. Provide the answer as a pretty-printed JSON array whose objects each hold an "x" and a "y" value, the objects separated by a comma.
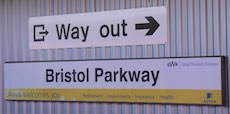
[{"x": 223, "y": 78}]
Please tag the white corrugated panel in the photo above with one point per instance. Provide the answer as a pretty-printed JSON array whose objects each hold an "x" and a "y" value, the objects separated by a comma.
[{"x": 196, "y": 28}]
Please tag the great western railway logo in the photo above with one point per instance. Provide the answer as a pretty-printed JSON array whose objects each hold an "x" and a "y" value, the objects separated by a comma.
[{"x": 172, "y": 64}]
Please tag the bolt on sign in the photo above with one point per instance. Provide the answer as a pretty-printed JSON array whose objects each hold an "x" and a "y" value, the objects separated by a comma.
[
  {"x": 109, "y": 28},
  {"x": 197, "y": 80}
]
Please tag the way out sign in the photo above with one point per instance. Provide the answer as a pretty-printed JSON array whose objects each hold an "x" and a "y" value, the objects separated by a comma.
[{"x": 109, "y": 28}]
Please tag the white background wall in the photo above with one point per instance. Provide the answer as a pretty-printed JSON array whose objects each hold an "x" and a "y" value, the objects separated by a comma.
[{"x": 196, "y": 28}]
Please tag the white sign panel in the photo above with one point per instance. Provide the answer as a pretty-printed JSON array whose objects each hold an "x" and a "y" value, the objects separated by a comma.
[
  {"x": 173, "y": 80},
  {"x": 108, "y": 28}
]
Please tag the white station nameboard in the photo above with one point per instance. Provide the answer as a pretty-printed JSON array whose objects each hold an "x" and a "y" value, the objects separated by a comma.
[
  {"x": 171, "y": 80},
  {"x": 109, "y": 28}
]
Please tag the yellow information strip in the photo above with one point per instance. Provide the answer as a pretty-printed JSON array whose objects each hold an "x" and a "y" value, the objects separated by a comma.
[{"x": 211, "y": 97}]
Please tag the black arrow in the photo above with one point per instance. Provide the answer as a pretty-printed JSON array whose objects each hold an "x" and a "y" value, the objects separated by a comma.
[
  {"x": 46, "y": 32},
  {"x": 152, "y": 25}
]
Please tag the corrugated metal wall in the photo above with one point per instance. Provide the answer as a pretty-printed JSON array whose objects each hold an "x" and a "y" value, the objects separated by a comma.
[{"x": 196, "y": 28}]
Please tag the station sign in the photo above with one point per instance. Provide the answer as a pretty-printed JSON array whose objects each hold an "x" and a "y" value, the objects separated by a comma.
[
  {"x": 95, "y": 29},
  {"x": 171, "y": 80}
]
